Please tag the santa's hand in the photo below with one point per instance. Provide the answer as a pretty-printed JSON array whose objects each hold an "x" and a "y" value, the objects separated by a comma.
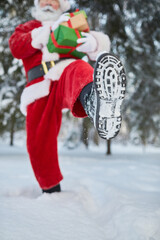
[
  {"x": 89, "y": 43},
  {"x": 63, "y": 18}
]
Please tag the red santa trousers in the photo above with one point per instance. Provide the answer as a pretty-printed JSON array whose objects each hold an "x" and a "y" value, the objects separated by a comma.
[{"x": 44, "y": 120}]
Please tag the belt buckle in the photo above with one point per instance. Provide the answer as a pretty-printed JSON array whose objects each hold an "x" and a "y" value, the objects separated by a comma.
[
  {"x": 52, "y": 63},
  {"x": 44, "y": 65}
]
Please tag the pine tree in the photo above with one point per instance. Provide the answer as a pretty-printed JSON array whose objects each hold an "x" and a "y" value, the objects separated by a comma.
[
  {"x": 143, "y": 46},
  {"x": 12, "y": 79}
]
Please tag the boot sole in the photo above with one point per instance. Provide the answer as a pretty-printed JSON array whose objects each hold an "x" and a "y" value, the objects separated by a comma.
[{"x": 110, "y": 85}]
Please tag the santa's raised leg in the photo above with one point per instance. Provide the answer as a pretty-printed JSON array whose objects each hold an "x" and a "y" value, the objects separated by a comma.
[{"x": 75, "y": 90}]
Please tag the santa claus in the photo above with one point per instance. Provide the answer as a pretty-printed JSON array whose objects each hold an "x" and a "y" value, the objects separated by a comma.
[{"x": 56, "y": 81}]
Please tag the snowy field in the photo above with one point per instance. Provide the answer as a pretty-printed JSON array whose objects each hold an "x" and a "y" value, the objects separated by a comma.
[{"x": 103, "y": 198}]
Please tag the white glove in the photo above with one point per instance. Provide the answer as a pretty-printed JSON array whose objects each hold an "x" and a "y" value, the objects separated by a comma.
[
  {"x": 63, "y": 18},
  {"x": 89, "y": 43}
]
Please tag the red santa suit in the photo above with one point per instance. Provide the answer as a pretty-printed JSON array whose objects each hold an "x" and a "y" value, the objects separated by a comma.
[{"x": 44, "y": 98}]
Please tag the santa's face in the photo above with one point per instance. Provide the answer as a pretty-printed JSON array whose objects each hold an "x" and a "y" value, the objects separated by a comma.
[
  {"x": 47, "y": 10},
  {"x": 52, "y": 3}
]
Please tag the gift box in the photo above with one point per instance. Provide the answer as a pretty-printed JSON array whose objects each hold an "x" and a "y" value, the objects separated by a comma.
[
  {"x": 64, "y": 41},
  {"x": 77, "y": 12},
  {"x": 77, "y": 21}
]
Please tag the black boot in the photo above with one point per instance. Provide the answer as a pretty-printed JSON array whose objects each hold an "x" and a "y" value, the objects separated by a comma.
[
  {"x": 56, "y": 188},
  {"x": 103, "y": 99}
]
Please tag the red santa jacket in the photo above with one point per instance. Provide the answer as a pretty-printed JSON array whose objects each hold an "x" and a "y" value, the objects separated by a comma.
[{"x": 28, "y": 43}]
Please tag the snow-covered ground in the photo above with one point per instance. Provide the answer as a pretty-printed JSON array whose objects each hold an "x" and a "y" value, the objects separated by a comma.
[{"x": 103, "y": 198}]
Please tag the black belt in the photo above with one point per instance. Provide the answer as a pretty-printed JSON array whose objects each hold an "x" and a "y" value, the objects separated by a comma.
[{"x": 41, "y": 69}]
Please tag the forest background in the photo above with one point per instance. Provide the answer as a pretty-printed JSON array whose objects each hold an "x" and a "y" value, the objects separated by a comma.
[{"x": 133, "y": 27}]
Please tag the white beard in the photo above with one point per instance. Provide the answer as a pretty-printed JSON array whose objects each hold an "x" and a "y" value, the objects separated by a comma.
[{"x": 42, "y": 15}]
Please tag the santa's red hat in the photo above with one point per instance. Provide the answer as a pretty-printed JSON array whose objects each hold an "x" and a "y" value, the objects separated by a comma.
[{"x": 64, "y": 4}]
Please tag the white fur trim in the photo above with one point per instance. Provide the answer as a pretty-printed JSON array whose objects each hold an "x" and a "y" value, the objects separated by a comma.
[
  {"x": 40, "y": 36},
  {"x": 47, "y": 56},
  {"x": 65, "y": 5},
  {"x": 48, "y": 23},
  {"x": 34, "y": 92},
  {"x": 36, "y": 2},
  {"x": 55, "y": 72},
  {"x": 103, "y": 44},
  {"x": 41, "y": 89}
]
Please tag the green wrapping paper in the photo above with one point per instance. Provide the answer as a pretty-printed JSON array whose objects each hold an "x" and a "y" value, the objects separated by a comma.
[
  {"x": 65, "y": 37},
  {"x": 78, "y": 12}
]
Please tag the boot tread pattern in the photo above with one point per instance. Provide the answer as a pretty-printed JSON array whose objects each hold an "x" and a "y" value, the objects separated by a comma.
[{"x": 110, "y": 85}]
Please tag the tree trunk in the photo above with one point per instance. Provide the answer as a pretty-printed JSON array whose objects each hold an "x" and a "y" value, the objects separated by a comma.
[
  {"x": 13, "y": 120},
  {"x": 108, "y": 147},
  {"x": 85, "y": 129},
  {"x": 96, "y": 138}
]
